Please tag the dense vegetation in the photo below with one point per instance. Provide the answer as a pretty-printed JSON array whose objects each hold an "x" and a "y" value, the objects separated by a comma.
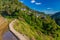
[{"x": 39, "y": 25}]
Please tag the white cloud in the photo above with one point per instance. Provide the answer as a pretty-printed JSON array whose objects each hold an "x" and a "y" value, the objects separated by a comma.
[
  {"x": 32, "y": 1},
  {"x": 21, "y": 1},
  {"x": 38, "y": 3},
  {"x": 49, "y": 8},
  {"x": 49, "y": 11}
]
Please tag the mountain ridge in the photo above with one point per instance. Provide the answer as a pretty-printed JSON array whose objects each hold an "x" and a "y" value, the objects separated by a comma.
[{"x": 56, "y": 17}]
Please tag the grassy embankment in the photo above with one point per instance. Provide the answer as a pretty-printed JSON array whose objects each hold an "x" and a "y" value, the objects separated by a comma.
[{"x": 26, "y": 29}]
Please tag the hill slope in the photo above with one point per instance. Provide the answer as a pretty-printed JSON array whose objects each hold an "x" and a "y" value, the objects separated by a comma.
[
  {"x": 36, "y": 28},
  {"x": 14, "y": 8},
  {"x": 28, "y": 30}
]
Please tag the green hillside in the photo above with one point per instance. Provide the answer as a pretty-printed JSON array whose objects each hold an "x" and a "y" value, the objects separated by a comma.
[
  {"x": 14, "y": 8},
  {"x": 36, "y": 25},
  {"x": 30, "y": 31},
  {"x": 39, "y": 29}
]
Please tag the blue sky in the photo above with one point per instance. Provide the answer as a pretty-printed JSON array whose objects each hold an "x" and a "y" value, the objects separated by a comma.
[{"x": 47, "y": 6}]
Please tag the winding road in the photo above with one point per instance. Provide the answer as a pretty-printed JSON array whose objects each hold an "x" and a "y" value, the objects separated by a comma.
[
  {"x": 9, "y": 33},
  {"x": 5, "y": 34},
  {"x": 17, "y": 34}
]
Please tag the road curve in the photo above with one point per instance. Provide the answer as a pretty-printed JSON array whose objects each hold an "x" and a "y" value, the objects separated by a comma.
[{"x": 17, "y": 34}]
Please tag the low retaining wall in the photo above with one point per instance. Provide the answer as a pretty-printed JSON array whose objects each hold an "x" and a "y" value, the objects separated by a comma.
[{"x": 17, "y": 34}]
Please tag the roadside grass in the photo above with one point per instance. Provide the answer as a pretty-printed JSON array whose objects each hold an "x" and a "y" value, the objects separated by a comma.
[{"x": 24, "y": 28}]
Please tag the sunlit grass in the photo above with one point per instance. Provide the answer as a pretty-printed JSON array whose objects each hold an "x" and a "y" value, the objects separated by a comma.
[{"x": 24, "y": 28}]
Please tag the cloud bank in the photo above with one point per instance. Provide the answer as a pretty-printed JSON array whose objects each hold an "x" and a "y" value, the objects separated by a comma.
[
  {"x": 38, "y": 3},
  {"x": 32, "y": 1}
]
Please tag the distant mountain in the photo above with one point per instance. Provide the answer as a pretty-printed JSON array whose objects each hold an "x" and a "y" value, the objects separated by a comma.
[{"x": 56, "y": 17}]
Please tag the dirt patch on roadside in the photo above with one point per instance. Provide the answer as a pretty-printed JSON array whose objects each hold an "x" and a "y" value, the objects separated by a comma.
[{"x": 3, "y": 26}]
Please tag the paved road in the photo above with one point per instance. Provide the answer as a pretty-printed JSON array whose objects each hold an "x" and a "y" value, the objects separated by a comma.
[
  {"x": 20, "y": 36},
  {"x": 9, "y": 36},
  {"x": 3, "y": 26},
  {"x": 4, "y": 34}
]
